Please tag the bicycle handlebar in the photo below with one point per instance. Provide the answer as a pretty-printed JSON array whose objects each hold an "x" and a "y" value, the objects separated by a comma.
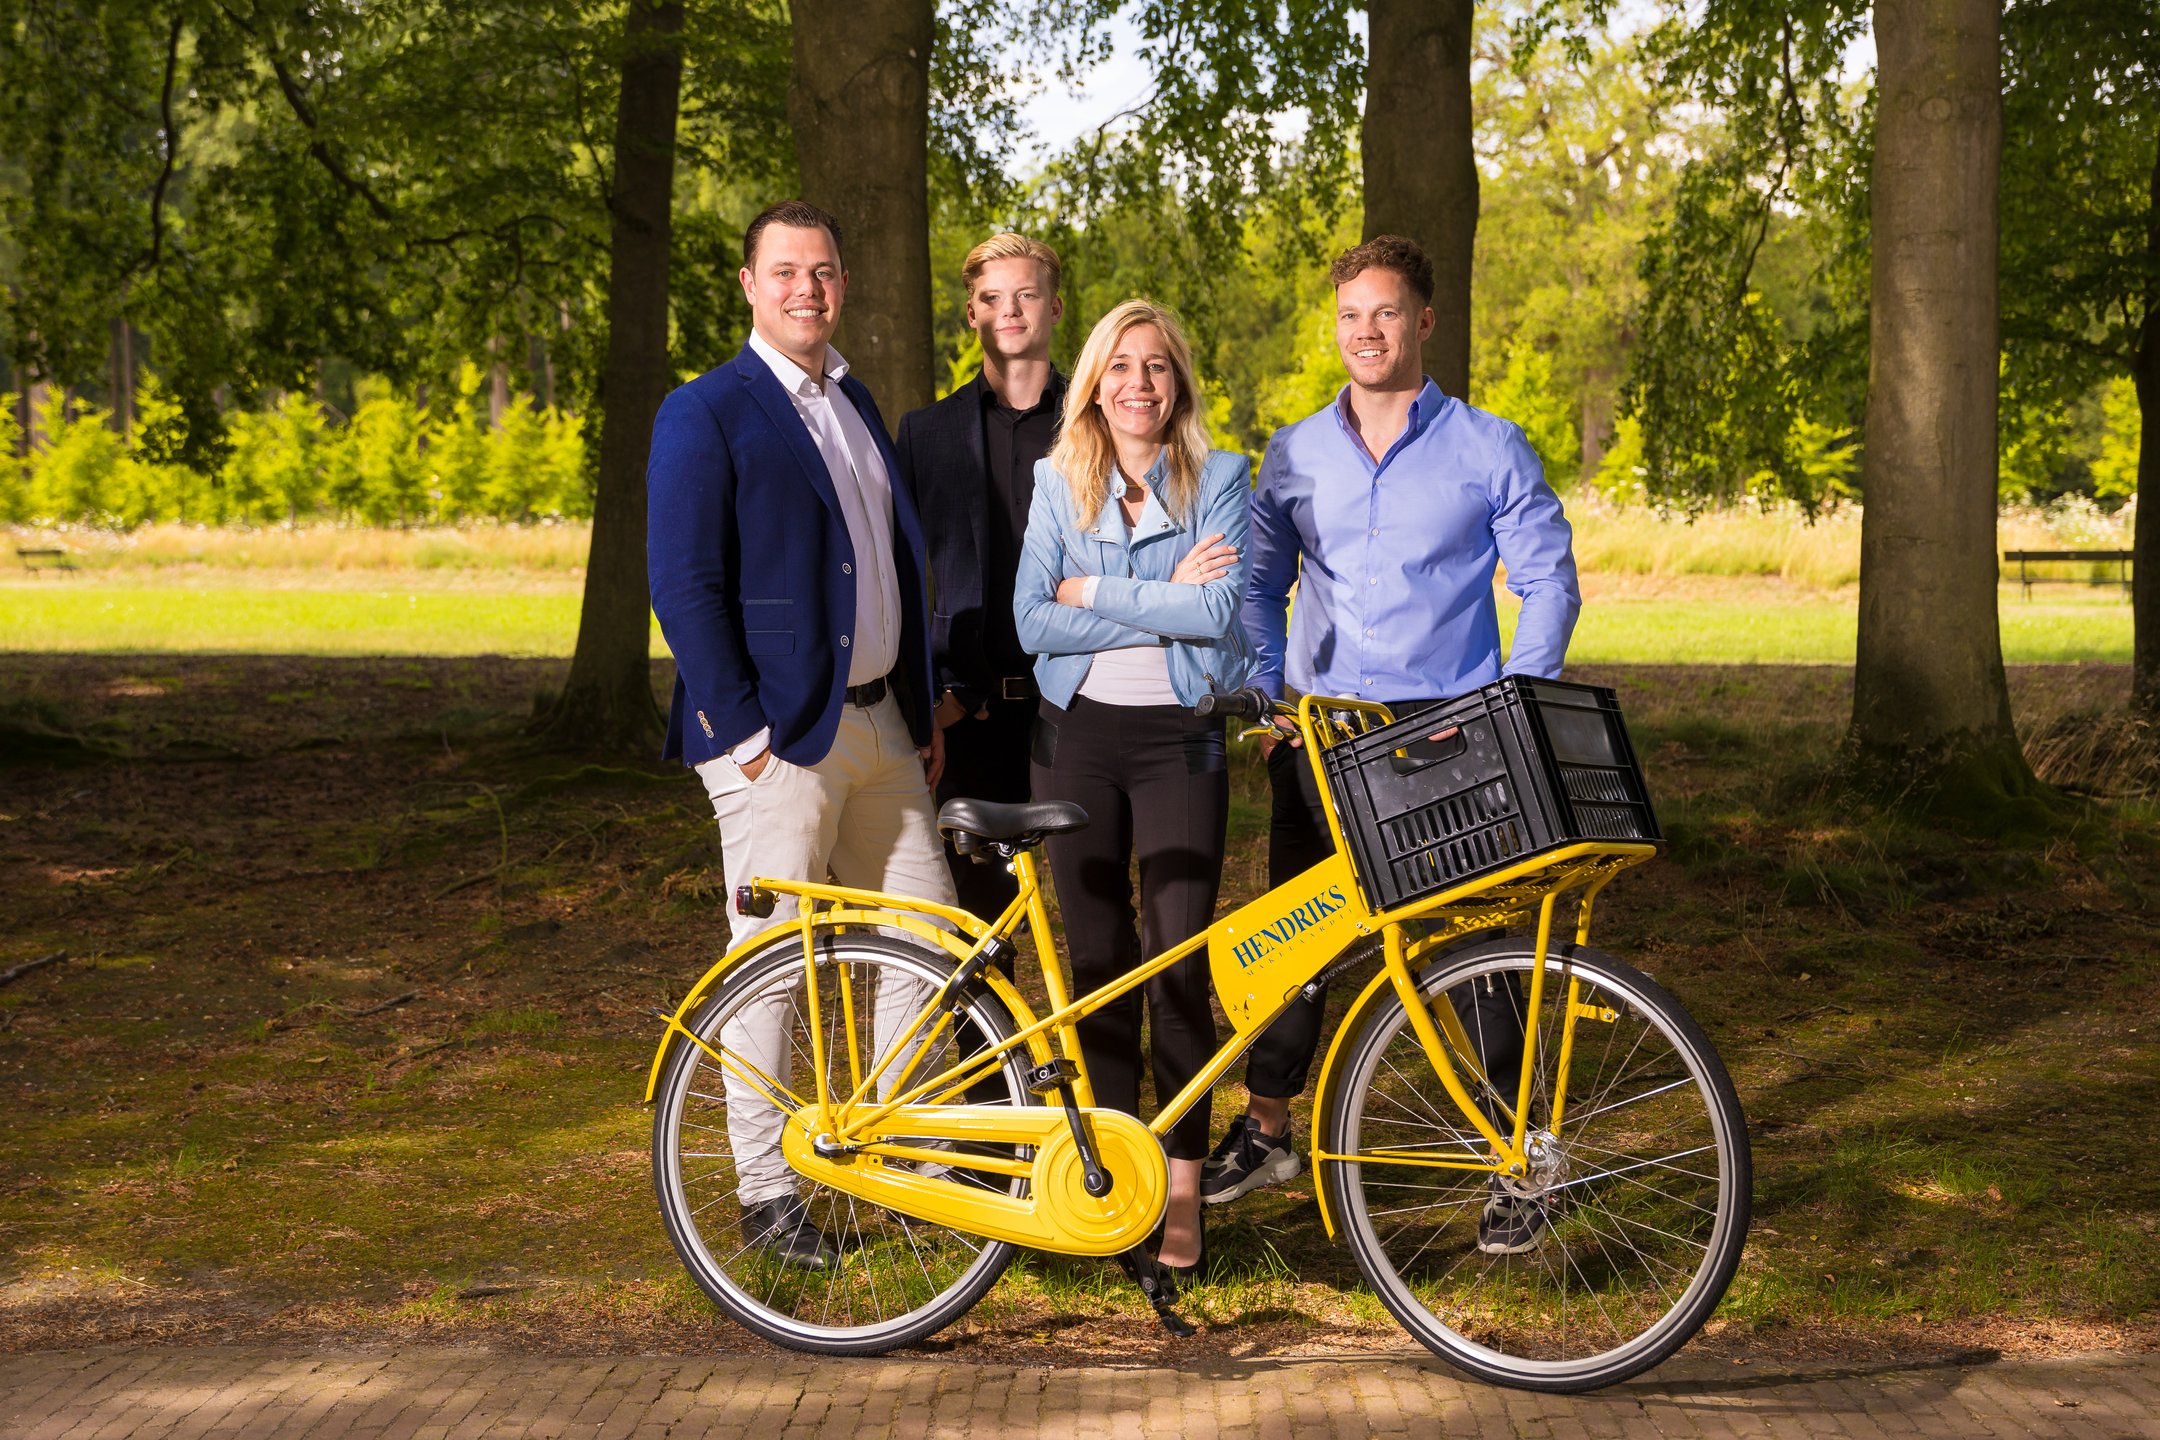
[{"x": 1246, "y": 704}]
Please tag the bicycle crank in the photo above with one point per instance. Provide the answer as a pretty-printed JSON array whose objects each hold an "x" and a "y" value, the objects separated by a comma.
[{"x": 1056, "y": 1214}]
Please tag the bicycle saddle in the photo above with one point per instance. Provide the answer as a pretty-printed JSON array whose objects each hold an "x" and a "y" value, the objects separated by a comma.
[{"x": 988, "y": 821}]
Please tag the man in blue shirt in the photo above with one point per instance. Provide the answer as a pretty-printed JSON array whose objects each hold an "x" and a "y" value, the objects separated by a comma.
[{"x": 1389, "y": 511}]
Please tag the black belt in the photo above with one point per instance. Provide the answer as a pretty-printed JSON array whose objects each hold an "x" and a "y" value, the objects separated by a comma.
[
  {"x": 868, "y": 693},
  {"x": 1014, "y": 687}
]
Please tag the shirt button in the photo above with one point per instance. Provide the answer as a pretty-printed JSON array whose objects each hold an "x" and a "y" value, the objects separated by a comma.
[
  {"x": 1376, "y": 532},
  {"x": 843, "y": 642},
  {"x": 847, "y": 569},
  {"x": 1368, "y": 680},
  {"x": 1368, "y": 635},
  {"x": 1373, "y": 581}
]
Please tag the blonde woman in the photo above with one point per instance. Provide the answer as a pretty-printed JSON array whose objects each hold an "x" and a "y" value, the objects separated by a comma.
[{"x": 1128, "y": 592}]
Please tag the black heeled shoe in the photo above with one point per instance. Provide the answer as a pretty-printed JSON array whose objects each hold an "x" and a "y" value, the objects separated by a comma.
[{"x": 1185, "y": 1275}]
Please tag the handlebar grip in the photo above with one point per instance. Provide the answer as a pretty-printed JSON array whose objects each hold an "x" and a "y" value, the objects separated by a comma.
[{"x": 1246, "y": 704}]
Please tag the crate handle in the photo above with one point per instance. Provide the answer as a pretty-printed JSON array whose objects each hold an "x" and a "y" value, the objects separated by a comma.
[{"x": 1433, "y": 749}]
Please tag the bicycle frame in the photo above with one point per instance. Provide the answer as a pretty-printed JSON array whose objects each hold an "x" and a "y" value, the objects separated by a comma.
[{"x": 1261, "y": 958}]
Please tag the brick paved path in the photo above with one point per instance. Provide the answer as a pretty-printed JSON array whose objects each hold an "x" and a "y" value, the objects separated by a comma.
[{"x": 436, "y": 1394}]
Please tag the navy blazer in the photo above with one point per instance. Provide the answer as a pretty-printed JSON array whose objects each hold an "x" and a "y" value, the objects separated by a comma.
[{"x": 753, "y": 574}]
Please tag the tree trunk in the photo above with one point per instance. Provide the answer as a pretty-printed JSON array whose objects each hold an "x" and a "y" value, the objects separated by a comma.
[
  {"x": 123, "y": 379},
  {"x": 2145, "y": 545},
  {"x": 859, "y": 101},
  {"x": 1931, "y": 709},
  {"x": 607, "y": 702},
  {"x": 1597, "y": 417},
  {"x": 1421, "y": 176}
]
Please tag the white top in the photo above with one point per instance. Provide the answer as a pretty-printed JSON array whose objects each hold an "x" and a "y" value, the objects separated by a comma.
[
  {"x": 1130, "y": 675},
  {"x": 857, "y": 471}
]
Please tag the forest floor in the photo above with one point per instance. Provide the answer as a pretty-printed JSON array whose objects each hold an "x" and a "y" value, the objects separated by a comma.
[{"x": 354, "y": 1019}]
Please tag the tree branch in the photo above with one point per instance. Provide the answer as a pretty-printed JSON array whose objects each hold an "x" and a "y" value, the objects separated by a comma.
[
  {"x": 296, "y": 99},
  {"x": 172, "y": 147}
]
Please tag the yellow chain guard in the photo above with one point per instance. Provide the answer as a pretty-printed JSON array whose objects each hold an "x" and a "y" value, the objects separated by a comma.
[{"x": 1057, "y": 1214}]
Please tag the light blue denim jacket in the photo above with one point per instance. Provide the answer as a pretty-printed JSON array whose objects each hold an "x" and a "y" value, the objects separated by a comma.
[{"x": 1136, "y": 603}]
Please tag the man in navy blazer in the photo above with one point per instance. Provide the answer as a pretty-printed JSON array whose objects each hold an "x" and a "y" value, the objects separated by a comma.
[{"x": 786, "y": 558}]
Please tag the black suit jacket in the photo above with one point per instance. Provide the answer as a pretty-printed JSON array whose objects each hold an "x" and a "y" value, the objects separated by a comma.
[{"x": 943, "y": 458}]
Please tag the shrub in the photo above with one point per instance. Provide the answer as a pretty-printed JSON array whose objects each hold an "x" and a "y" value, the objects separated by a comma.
[{"x": 1526, "y": 395}]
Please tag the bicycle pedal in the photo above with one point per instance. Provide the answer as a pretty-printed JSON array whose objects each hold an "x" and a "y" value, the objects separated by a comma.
[{"x": 1052, "y": 1076}]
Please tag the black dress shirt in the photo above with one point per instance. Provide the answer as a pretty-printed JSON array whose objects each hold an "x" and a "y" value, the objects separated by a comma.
[{"x": 1013, "y": 440}]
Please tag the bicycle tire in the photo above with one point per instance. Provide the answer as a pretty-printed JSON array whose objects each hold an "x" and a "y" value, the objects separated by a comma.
[
  {"x": 897, "y": 1280},
  {"x": 1637, "y": 1233}
]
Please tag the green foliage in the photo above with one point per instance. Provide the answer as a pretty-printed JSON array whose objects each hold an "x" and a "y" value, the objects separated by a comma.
[
  {"x": 2080, "y": 255},
  {"x": 457, "y": 446},
  {"x": 77, "y": 473},
  {"x": 1579, "y": 154},
  {"x": 14, "y": 499},
  {"x": 2115, "y": 473},
  {"x": 1526, "y": 394},
  {"x": 1753, "y": 312},
  {"x": 1316, "y": 374},
  {"x": 1621, "y": 473},
  {"x": 1824, "y": 464},
  {"x": 289, "y": 463}
]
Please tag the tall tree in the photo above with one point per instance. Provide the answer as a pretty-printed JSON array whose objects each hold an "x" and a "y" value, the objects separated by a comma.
[
  {"x": 859, "y": 102},
  {"x": 1421, "y": 177},
  {"x": 1930, "y": 703},
  {"x": 607, "y": 701}
]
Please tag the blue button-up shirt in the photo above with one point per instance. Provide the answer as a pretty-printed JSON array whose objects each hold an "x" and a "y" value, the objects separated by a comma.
[{"x": 1394, "y": 562}]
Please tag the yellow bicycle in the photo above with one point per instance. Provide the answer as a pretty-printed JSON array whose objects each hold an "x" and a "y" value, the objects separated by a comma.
[{"x": 932, "y": 1123}]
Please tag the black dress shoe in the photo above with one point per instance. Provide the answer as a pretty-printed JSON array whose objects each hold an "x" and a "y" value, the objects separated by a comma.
[{"x": 782, "y": 1228}]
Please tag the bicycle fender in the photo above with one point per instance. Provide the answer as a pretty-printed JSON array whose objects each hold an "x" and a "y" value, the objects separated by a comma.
[
  {"x": 957, "y": 946},
  {"x": 1353, "y": 1023}
]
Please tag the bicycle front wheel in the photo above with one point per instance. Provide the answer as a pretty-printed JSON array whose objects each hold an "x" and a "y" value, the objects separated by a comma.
[
  {"x": 847, "y": 1277},
  {"x": 1611, "y": 1253}
]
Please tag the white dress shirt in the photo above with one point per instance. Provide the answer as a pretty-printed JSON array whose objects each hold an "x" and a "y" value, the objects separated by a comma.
[{"x": 858, "y": 476}]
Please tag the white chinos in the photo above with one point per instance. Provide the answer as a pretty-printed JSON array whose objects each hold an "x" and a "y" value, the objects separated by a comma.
[{"x": 864, "y": 813}]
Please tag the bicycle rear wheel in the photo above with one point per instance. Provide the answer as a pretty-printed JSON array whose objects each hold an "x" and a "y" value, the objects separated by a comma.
[
  {"x": 890, "y": 1280},
  {"x": 1630, "y": 1226}
]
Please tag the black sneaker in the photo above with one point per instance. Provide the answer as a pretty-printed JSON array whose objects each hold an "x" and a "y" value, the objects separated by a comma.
[
  {"x": 782, "y": 1227},
  {"x": 1247, "y": 1159},
  {"x": 1512, "y": 1225}
]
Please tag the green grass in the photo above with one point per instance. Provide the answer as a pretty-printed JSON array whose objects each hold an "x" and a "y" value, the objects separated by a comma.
[
  {"x": 1819, "y": 629},
  {"x": 1761, "y": 623},
  {"x": 537, "y": 618}
]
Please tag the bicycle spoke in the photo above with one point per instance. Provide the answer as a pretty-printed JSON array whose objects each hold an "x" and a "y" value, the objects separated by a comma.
[
  {"x": 1615, "y": 1236},
  {"x": 881, "y": 1273}
]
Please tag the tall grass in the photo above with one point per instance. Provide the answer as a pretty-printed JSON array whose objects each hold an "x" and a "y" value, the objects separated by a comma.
[
  {"x": 1614, "y": 539},
  {"x": 556, "y": 547},
  {"x": 1610, "y": 539}
]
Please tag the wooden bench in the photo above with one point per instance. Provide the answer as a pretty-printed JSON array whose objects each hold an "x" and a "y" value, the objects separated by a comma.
[
  {"x": 39, "y": 558},
  {"x": 2026, "y": 559}
]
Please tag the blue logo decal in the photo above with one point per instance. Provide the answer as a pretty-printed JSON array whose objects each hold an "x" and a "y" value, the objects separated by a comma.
[{"x": 1255, "y": 947}]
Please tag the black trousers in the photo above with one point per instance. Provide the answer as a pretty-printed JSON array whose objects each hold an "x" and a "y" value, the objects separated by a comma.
[
  {"x": 1298, "y": 839},
  {"x": 1155, "y": 782},
  {"x": 987, "y": 759}
]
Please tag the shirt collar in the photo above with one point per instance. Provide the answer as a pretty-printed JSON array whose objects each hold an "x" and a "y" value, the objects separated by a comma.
[
  {"x": 1423, "y": 410},
  {"x": 1052, "y": 393},
  {"x": 1153, "y": 514},
  {"x": 793, "y": 377}
]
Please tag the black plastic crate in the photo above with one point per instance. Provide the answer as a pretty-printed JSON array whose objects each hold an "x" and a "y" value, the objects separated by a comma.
[{"x": 1481, "y": 782}]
